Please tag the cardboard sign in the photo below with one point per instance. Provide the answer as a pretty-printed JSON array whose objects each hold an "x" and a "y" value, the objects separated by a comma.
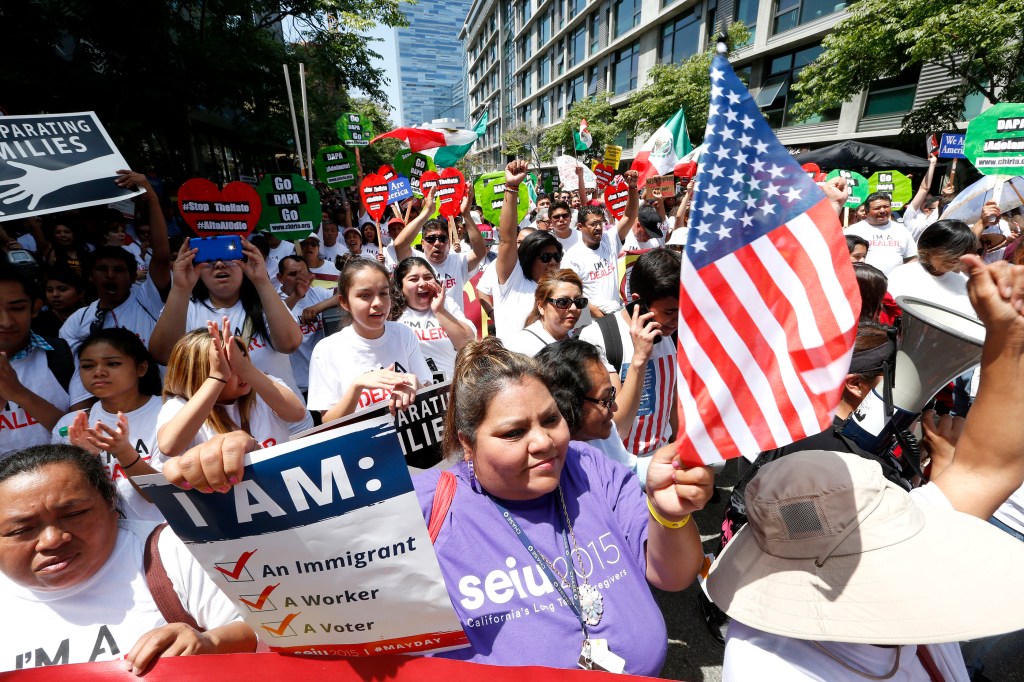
[
  {"x": 665, "y": 183},
  {"x": 373, "y": 190},
  {"x": 321, "y": 546},
  {"x": 895, "y": 183},
  {"x": 210, "y": 210},
  {"x": 995, "y": 140},
  {"x": 857, "y": 183},
  {"x": 952, "y": 146},
  {"x": 57, "y": 162},
  {"x": 291, "y": 206},
  {"x": 489, "y": 190},
  {"x": 616, "y": 197},
  {"x": 612, "y": 155},
  {"x": 413, "y": 166},
  {"x": 604, "y": 174},
  {"x": 336, "y": 166},
  {"x": 355, "y": 130}
]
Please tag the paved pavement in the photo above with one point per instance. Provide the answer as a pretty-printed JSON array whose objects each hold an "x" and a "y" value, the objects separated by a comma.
[{"x": 694, "y": 656}]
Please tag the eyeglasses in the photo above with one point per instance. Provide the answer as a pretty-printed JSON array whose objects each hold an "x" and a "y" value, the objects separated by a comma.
[
  {"x": 564, "y": 302},
  {"x": 434, "y": 238},
  {"x": 559, "y": 216},
  {"x": 548, "y": 257},
  {"x": 606, "y": 403}
]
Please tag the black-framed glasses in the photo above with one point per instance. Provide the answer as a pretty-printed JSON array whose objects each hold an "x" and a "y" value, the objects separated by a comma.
[
  {"x": 548, "y": 257},
  {"x": 434, "y": 238},
  {"x": 97, "y": 323},
  {"x": 607, "y": 403},
  {"x": 563, "y": 302},
  {"x": 559, "y": 216}
]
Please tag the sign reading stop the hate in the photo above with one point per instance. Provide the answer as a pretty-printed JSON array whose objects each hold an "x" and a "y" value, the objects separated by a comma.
[{"x": 210, "y": 210}]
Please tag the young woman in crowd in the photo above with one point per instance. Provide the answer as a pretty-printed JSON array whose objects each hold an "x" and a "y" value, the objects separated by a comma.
[
  {"x": 121, "y": 427},
  {"x": 65, "y": 293},
  {"x": 370, "y": 361},
  {"x": 306, "y": 302},
  {"x": 421, "y": 304},
  {"x": 67, "y": 247},
  {"x": 213, "y": 387},
  {"x": 358, "y": 244},
  {"x": 557, "y": 306}
]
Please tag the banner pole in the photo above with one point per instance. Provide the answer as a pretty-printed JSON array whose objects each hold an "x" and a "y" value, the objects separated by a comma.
[
  {"x": 305, "y": 118},
  {"x": 295, "y": 124}
]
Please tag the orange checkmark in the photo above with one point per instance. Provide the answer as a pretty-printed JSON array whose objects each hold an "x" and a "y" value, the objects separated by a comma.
[
  {"x": 258, "y": 604},
  {"x": 279, "y": 630},
  {"x": 239, "y": 566}
]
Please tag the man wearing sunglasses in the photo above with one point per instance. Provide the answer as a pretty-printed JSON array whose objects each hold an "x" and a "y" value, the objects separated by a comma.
[
  {"x": 889, "y": 243},
  {"x": 560, "y": 224}
]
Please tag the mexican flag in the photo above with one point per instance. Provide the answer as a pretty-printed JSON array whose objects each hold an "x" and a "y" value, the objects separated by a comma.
[
  {"x": 582, "y": 138},
  {"x": 663, "y": 150},
  {"x": 447, "y": 156}
]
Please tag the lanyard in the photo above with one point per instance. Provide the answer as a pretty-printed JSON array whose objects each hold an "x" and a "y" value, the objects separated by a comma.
[{"x": 573, "y": 600}]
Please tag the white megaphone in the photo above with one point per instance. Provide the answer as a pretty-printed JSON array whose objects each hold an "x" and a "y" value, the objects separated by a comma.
[{"x": 935, "y": 345}]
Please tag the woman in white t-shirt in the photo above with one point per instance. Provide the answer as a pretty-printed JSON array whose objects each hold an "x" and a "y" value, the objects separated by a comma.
[
  {"x": 372, "y": 360},
  {"x": 213, "y": 387},
  {"x": 120, "y": 428},
  {"x": 420, "y": 303},
  {"x": 361, "y": 245},
  {"x": 306, "y": 303},
  {"x": 557, "y": 306}
]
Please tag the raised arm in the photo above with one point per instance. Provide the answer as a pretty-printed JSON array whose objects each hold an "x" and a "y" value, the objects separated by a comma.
[
  {"x": 285, "y": 334},
  {"x": 632, "y": 205},
  {"x": 922, "y": 192},
  {"x": 473, "y": 236},
  {"x": 171, "y": 325},
  {"x": 160, "y": 261},
  {"x": 403, "y": 242},
  {"x": 508, "y": 223}
]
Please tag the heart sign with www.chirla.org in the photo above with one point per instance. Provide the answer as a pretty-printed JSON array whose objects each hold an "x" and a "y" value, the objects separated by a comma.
[
  {"x": 374, "y": 192},
  {"x": 451, "y": 188},
  {"x": 604, "y": 175},
  {"x": 615, "y": 198},
  {"x": 210, "y": 211}
]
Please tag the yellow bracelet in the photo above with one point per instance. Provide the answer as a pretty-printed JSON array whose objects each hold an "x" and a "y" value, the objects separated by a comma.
[{"x": 665, "y": 522}]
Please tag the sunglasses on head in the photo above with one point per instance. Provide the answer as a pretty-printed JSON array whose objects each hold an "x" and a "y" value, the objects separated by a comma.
[
  {"x": 563, "y": 302},
  {"x": 435, "y": 238},
  {"x": 548, "y": 257}
]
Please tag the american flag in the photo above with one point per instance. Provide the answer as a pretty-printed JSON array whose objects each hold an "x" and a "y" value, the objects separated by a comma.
[{"x": 768, "y": 302}]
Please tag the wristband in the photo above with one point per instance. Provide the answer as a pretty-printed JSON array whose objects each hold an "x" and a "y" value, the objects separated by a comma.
[
  {"x": 223, "y": 381},
  {"x": 511, "y": 188},
  {"x": 134, "y": 462},
  {"x": 665, "y": 522}
]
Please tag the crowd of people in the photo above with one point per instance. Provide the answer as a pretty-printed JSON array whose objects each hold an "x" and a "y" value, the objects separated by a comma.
[{"x": 122, "y": 355}]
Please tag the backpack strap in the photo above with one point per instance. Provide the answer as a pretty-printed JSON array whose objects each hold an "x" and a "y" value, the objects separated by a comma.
[
  {"x": 61, "y": 361},
  {"x": 444, "y": 493},
  {"x": 612, "y": 341},
  {"x": 160, "y": 585}
]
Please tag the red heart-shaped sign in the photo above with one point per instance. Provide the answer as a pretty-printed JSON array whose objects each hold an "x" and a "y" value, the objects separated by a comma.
[
  {"x": 615, "y": 198},
  {"x": 604, "y": 175},
  {"x": 211, "y": 211},
  {"x": 387, "y": 172},
  {"x": 374, "y": 192},
  {"x": 428, "y": 181},
  {"x": 451, "y": 187}
]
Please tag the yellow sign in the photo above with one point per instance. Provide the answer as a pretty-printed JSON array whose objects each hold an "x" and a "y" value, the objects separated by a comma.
[{"x": 612, "y": 155}]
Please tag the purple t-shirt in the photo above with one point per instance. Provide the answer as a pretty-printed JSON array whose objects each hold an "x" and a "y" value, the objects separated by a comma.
[{"x": 511, "y": 612}]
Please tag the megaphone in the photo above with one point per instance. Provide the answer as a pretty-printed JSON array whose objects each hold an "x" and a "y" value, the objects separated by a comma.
[{"x": 935, "y": 345}]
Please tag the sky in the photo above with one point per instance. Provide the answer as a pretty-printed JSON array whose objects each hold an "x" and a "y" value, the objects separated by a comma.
[{"x": 388, "y": 50}]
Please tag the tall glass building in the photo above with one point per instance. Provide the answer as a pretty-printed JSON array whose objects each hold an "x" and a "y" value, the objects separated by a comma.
[{"x": 431, "y": 62}]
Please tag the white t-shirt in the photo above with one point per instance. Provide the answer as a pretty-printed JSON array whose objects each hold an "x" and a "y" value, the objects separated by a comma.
[
  {"x": 141, "y": 259},
  {"x": 454, "y": 273},
  {"x": 948, "y": 290},
  {"x": 633, "y": 244},
  {"x": 529, "y": 341},
  {"x": 652, "y": 427},
  {"x": 341, "y": 357},
  {"x": 438, "y": 351},
  {"x": 327, "y": 268},
  {"x": 488, "y": 281},
  {"x": 275, "y": 255},
  {"x": 137, "y": 314},
  {"x": 512, "y": 302},
  {"x": 18, "y": 429},
  {"x": 264, "y": 424},
  {"x": 103, "y": 617},
  {"x": 917, "y": 221},
  {"x": 340, "y": 248},
  {"x": 568, "y": 242},
  {"x": 369, "y": 251},
  {"x": 598, "y": 268},
  {"x": 142, "y": 434},
  {"x": 390, "y": 257},
  {"x": 613, "y": 448},
  {"x": 888, "y": 245},
  {"x": 312, "y": 333}
]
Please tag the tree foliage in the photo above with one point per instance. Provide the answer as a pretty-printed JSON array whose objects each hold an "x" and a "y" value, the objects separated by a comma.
[
  {"x": 523, "y": 142},
  {"x": 979, "y": 44},
  {"x": 600, "y": 120},
  {"x": 669, "y": 87}
]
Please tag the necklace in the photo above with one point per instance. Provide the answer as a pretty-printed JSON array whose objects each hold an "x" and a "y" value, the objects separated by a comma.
[
  {"x": 591, "y": 601},
  {"x": 886, "y": 676}
]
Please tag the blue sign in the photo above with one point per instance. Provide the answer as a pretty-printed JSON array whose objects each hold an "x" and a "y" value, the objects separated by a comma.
[
  {"x": 399, "y": 189},
  {"x": 952, "y": 146}
]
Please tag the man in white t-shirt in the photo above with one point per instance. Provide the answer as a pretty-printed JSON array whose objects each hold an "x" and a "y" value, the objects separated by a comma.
[
  {"x": 923, "y": 210},
  {"x": 278, "y": 250},
  {"x": 889, "y": 243},
  {"x": 560, "y": 225},
  {"x": 646, "y": 233},
  {"x": 595, "y": 257}
]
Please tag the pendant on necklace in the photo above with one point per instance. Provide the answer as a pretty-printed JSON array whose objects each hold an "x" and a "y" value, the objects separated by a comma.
[{"x": 591, "y": 604}]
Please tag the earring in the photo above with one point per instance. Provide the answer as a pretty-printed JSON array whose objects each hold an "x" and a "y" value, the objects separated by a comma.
[{"x": 472, "y": 476}]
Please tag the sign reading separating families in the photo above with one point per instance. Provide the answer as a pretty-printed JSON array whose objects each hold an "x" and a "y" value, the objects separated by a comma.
[
  {"x": 995, "y": 140},
  {"x": 322, "y": 546},
  {"x": 489, "y": 190},
  {"x": 291, "y": 206},
  {"x": 57, "y": 162}
]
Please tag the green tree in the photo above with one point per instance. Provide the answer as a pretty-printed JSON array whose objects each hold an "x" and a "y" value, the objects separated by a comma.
[
  {"x": 669, "y": 87},
  {"x": 523, "y": 141},
  {"x": 978, "y": 44},
  {"x": 600, "y": 120}
]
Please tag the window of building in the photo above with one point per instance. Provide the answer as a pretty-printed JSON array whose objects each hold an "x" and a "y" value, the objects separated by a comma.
[
  {"x": 594, "y": 81},
  {"x": 560, "y": 101},
  {"x": 746, "y": 11},
  {"x": 543, "y": 71},
  {"x": 895, "y": 95},
  {"x": 575, "y": 7},
  {"x": 627, "y": 15},
  {"x": 560, "y": 57},
  {"x": 776, "y": 97},
  {"x": 543, "y": 30},
  {"x": 527, "y": 48},
  {"x": 527, "y": 114},
  {"x": 792, "y": 13},
  {"x": 525, "y": 10},
  {"x": 625, "y": 68},
  {"x": 577, "y": 89},
  {"x": 680, "y": 38},
  {"x": 595, "y": 32},
  {"x": 578, "y": 46},
  {"x": 526, "y": 84},
  {"x": 542, "y": 111}
]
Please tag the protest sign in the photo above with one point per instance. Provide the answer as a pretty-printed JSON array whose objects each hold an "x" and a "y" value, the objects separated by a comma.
[
  {"x": 413, "y": 166},
  {"x": 355, "y": 130},
  {"x": 952, "y": 146},
  {"x": 451, "y": 187},
  {"x": 665, "y": 183},
  {"x": 604, "y": 174},
  {"x": 373, "y": 190},
  {"x": 895, "y": 183},
  {"x": 615, "y": 198},
  {"x": 57, "y": 162},
  {"x": 489, "y": 190},
  {"x": 567, "y": 179},
  {"x": 336, "y": 166},
  {"x": 322, "y": 546},
  {"x": 399, "y": 189},
  {"x": 612, "y": 155},
  {"x": 931, "y": 144},
  {"x": 995, "y": 140},
  {"x": 387, "y": 173},
  {"x": 291, "y": 206},
  {"x": 210, "y": 210},
  {"x": 857, "y": 183},
  {"x": 428, "y": 181}
]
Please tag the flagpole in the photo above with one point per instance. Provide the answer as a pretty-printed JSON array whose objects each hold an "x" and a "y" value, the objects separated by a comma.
[
  {"x": 305, "y": 118},
  {"x": 295, "y": 123}
]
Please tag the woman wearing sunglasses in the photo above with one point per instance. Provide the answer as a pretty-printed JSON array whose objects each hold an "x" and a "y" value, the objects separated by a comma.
[{"x": 558, "y": 304}]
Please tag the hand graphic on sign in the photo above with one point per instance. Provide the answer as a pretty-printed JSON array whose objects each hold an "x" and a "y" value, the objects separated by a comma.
[{"x": 37, "y": 182}]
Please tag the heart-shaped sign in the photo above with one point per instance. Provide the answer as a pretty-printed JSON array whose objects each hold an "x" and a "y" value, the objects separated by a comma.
[
  {"x": 428, "y": 181},
  {"x": 374, "y": 192},
  {"x": 615, "y": 198},
  {"x": 604, "y": 175},
  {"x": 387, "y": 172},
  {"x": 210, "y": 211},
  {"x": 451, "y": 188}
]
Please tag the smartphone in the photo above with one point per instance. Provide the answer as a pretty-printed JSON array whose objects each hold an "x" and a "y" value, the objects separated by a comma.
[
  {"x": 633, "y": 305},
  {"x": 221, "y": 247}
]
